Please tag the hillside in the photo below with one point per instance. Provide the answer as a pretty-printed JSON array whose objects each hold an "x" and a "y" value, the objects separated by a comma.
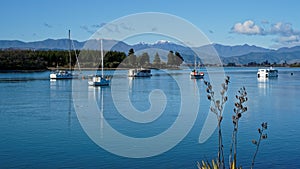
[
  {"x": 271, "y": 57},
  {"x": 239, "y": 54}
]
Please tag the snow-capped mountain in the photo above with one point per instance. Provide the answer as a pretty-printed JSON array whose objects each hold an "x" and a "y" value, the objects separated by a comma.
[{"x": 238, "y": 54}]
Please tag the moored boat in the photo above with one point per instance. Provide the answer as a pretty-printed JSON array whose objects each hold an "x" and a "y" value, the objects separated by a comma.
[
  {"x": 197, "y": 75},
  {"x": 61, "y": 74},
  {"x": 266, "y": 73},
  {"x": 99, "y": 80},
  {"x": 140, "y": 72},
  {"x": 64, "y": 74}
]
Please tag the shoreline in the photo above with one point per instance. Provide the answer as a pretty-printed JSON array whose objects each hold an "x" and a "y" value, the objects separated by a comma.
[
  {"x": 23, "y": 71},
  {"x": 53, "y": 68}
]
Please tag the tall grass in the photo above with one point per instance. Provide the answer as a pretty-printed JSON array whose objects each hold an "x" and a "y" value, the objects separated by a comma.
[{"x": 239, "y": 109}]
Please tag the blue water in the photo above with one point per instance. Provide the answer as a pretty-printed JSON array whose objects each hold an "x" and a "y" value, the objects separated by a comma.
[{"x": 40, "y": 129}]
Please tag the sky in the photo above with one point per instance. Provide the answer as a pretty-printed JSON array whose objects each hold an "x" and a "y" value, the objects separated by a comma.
[{"x": 264, "y": 23}]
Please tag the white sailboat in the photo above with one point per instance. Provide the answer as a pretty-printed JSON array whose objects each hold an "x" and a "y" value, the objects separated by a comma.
[
  {"x": 195, "y": 74},
  {"x": 99, "y": 80},
  {"x": 64, "y": 74}
]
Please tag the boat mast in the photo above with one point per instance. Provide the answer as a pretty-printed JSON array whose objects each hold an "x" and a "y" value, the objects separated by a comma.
[
  {"x": 195, "y": 63},
  {"x": 70, "y": 51},
  {"x": 101, "y": 58}
]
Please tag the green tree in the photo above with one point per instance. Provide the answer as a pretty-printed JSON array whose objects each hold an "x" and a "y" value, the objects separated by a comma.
[
  {"x": 178, "y": 59},
  {"x": 156, "y": 59},
  {"x": 144, "y": 59},
  {"x": 132, "y": 58},
  {"x": 113, "y": 58},
  {"x": 171, "y": 58},
  {"x": 131, "y": 51}
]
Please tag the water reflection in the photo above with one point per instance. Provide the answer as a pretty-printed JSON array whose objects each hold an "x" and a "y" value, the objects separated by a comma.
[
  {"x": 96, "y": 93},
  {"x": 26, "y": 105},
  {"x": 262, "y": 84},
  {"x": 130, "y": 82},
  {"x": 265, "y": 84},
  {"x": 62, "y": 88}
]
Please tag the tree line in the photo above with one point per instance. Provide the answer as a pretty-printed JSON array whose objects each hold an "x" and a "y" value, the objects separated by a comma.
[
  {"x": 174, "y": 60},
  {"x": 15, "y": 59},
  {"x": 265, "y": 63}
]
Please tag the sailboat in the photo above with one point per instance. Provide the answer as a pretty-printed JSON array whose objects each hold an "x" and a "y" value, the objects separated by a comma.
[
  {"x": 195, "y": 74},
  {"x": 64, "y": 74},
  {"x": 99, "y": 80}
]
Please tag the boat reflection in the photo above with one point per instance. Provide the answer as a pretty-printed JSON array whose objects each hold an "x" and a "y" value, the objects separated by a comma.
[{"x": 96, "y": 93}]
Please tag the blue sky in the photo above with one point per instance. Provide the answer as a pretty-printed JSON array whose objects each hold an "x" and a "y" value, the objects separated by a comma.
[{"x": 267, "y": 23}]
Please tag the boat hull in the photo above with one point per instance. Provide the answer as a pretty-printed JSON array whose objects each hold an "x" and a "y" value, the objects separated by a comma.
[
  {"x": 197, "y": 76},
  {"x": 62, "y": 75},
  {"x": 98, "y": 81},
  {"x": 139, "y": 73},
  {"x": 267, "y": 73}
]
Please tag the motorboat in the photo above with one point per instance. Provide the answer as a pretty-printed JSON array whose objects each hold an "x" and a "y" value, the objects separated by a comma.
[
  {"x": 267, "y": 73},
  {"x": 140, "y": 72},
  {"x": 61, "y": 74}
]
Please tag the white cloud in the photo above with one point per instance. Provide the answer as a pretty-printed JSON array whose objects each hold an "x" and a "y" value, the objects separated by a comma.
[
  {"x": 284, "y": 29},
  {"x": 288, "y": 39},
  {"x": 248, "y": 28},
  {"x": 283, "y": 32}
]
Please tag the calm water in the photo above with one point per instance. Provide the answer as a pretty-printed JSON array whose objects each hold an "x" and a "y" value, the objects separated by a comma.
[{"x": 40, "y": 129}]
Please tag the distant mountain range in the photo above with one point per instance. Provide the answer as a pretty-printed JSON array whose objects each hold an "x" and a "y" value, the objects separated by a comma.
[{"x": 239, "y": 54}]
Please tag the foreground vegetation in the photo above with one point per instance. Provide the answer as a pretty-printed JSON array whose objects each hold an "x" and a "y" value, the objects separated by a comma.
[{"x": 239, "y": 109}]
